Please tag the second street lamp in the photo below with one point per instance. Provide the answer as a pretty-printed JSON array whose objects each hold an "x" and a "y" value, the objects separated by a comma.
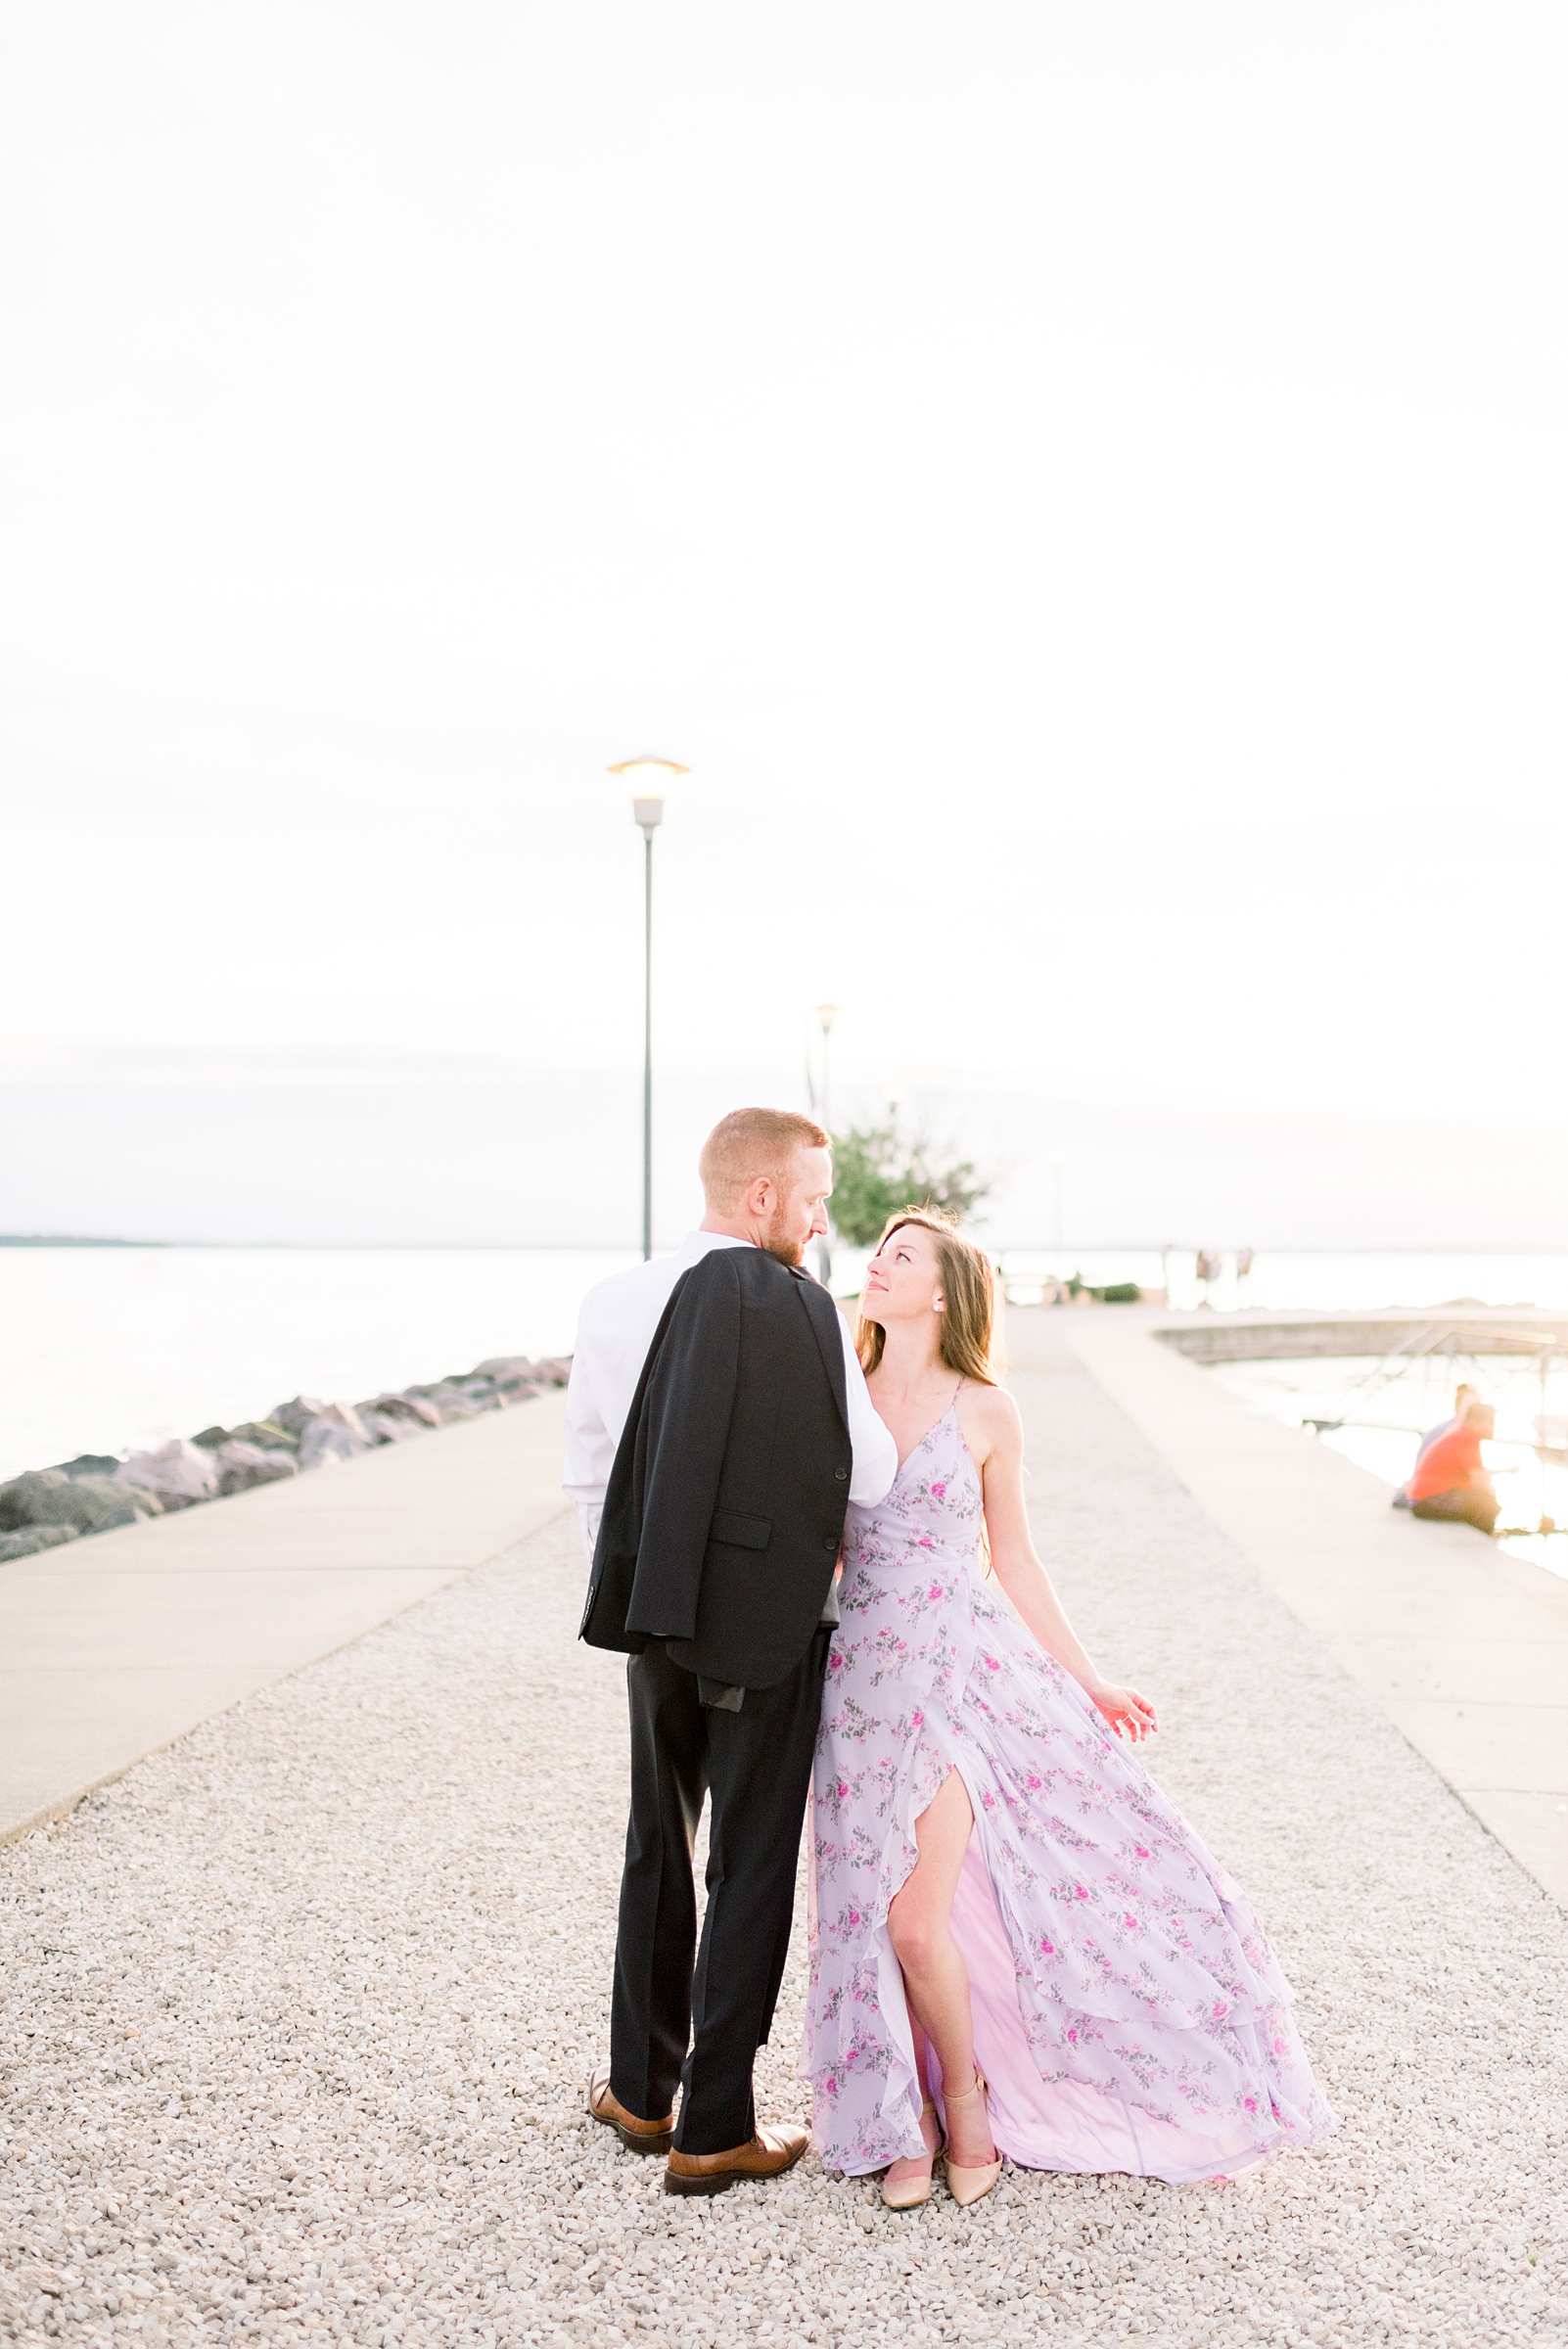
[
  {"x": 826, "y": 1014},
  {"x": 647, "y": 777}
]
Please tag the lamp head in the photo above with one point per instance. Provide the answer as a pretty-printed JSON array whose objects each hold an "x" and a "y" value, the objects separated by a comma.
[
  {"x": 648, "y": 778},
  {"x": 827, "y": 1013}
]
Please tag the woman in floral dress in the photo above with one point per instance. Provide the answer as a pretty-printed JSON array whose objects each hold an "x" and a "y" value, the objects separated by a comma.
[{"x": 1002, "y": 1896}]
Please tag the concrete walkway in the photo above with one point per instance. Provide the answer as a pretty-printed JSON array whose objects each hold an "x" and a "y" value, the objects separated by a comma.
[
  {"x": 1463, "y": 1647},
  {"x": 114, "y": 1645}
]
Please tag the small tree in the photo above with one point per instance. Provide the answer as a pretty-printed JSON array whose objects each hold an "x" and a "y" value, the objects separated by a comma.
[{"x": 875, "y": 1174}]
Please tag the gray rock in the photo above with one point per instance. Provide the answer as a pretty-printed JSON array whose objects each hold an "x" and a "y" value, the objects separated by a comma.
[
  {"x": 484, "y": 1392},
  {"x": 126, "y": 1512},
  {"x": 264, "y": 1433},
  {"x": 402, "y": 1406},
  {"x": 295, "y": 1416},
  {"x": 89, "y": 1464},
  {"x": 450, "y": 1401},
  {"x": 242, "y": 1465},
  {"x": 382, "y": 1427},
  {"x": 303, "y": 1411},
  {"x": 211, "y": 1439},
  {"x": 110, "y": 1497},
  {"x": 24, "y": 1499},
  {"x": 179, "y": 1472},
  {"x": 35, "y": 1537},
  {"x": 48, "y": 1497},
  {"x": 553, "y": 1370},
  {"x": 323, "y": 1441}
]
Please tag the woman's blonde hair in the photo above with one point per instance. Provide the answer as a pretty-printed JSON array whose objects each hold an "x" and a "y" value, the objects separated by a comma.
[{"x": 969, "y": 1288}]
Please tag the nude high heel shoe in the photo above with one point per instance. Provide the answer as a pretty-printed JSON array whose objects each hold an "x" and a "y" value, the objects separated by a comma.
[
  {"x": 968, "y": 2186},
  {"x": 910, "y": 2192}
]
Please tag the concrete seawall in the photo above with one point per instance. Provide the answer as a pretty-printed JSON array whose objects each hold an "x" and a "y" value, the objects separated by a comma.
[{"x": 1305, "y": 1334}]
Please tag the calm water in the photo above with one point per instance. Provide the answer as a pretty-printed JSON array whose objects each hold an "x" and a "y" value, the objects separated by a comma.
[{"x": 108, "y": 1349}]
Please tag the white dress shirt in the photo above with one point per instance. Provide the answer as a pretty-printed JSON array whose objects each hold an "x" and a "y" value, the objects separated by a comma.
[{"x": 615, "y": 1330}]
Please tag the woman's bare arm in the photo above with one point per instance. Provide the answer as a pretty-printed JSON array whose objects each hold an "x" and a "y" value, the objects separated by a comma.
[{"x": 999, "y": 1456}]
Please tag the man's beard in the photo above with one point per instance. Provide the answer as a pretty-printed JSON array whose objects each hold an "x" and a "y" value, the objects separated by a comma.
[{"x": 778, "y": 1244}]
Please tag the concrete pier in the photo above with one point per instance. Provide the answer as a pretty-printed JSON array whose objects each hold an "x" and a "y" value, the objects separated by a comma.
[{"x": 1306, "y": 1334}]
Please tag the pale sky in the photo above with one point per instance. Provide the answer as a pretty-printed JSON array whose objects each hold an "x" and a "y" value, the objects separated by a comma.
[{"x": 1083, "y": 488}]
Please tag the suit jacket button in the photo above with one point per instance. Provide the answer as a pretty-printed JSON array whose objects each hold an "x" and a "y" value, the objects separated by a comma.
[
  {"x": 841, "y": 1475},
  {"x": 830, "y": 1540}
]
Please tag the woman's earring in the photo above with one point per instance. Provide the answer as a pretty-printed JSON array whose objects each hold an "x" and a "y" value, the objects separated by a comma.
[{"x": 940, "y": 1306}]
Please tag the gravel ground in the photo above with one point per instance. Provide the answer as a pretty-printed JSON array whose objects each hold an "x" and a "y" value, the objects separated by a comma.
[{"x": 298, "y": 2014}]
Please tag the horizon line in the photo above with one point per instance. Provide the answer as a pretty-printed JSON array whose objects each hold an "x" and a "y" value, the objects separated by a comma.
[{"x": 632, "y": 1247}]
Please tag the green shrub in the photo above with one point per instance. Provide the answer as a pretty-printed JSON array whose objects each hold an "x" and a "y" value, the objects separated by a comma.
[{"x": 875, "y": 1174}]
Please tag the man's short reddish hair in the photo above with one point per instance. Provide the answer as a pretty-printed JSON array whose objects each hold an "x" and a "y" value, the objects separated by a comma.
[{"x": 750, "y": 1142}]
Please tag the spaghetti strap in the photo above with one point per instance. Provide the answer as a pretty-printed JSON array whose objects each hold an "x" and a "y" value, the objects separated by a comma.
[{"x": 957, "y": 1391}]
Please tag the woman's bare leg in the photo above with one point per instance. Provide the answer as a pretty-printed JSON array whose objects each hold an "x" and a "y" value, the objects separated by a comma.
[
  {"x": 935, "y": 1977},
  {"x": 911, "y": 2166}
]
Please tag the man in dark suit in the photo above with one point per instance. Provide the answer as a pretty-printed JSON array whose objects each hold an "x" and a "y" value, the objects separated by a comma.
[{"x": 750, "y": 1430}]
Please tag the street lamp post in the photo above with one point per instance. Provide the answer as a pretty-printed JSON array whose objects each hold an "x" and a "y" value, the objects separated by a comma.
[
  {"x": 1058, "y": 1164},
  {"x": 826, "y": 1014},
  {"x": 646, "y": 777}
]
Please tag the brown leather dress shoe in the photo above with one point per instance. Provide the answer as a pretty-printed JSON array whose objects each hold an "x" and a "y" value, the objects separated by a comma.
[
  {"x": 770, "y": 2152},
  {"x": 638, "y": 2136}
]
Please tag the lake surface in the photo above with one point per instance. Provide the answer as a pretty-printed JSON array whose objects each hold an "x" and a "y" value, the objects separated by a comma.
[{"x": 113, "y": 1348}]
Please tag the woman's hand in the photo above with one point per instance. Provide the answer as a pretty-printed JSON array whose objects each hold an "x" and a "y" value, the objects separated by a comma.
[{"x": 1130, "y": 1715}]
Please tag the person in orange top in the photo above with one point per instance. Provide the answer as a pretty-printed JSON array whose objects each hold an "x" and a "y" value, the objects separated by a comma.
[
  {"x": 1443, "y": 1427},
  {"x": 1450, "y": 1480}
]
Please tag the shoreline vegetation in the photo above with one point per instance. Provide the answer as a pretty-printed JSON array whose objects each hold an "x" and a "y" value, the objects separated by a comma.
[
  {"x": 40, "y": 1239},
  {"x": 97, "y": 1492},
  {"x": 878, "y": 1174}
]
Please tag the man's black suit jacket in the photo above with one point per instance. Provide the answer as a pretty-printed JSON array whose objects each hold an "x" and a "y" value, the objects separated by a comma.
[{"x": 725, "y": 1505}]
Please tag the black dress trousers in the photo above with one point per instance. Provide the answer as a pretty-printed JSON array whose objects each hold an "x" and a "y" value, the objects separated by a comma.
[{"x": 756, "y": 1766}]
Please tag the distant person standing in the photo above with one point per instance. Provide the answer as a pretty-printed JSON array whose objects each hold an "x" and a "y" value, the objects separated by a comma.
[
  {"x": 1244, "y": 1258},
  {"x": 1208, "y": 1268},
  {"x": 1450, "y": 1481}
]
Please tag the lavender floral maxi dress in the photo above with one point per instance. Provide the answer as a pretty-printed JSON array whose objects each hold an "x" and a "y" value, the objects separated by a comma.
[{"x": 1129, "y": 2011}]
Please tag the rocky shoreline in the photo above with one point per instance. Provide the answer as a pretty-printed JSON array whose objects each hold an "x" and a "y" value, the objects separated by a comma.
[{"x": 97, "y": 1492}]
